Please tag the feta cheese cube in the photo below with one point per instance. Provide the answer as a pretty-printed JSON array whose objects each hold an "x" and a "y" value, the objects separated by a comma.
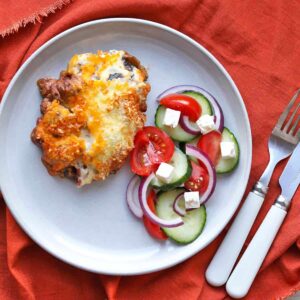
[
  {"x": 191, "y": 199},
  {"x": 171, "y": 117},
  {"x": 206, "y": 124},
  {"x": 164, "y": 172},
  {"x": 227, "y": 150}
]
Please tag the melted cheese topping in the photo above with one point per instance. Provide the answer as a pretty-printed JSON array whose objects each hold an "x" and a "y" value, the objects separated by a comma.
[{"x": 98, "y": 124}]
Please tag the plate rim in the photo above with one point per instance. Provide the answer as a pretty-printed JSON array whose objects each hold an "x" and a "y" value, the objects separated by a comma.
[{"x": 78, "y": 263}]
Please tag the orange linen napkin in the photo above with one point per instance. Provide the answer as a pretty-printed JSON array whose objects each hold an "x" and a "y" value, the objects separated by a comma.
[
  {"x": 258, "y": 42},
  {"x": 16, "y": 14}
]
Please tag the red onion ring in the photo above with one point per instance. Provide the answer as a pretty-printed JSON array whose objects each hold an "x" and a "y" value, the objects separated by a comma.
[
  {"x": 188, "y": 126},
  {"x": 147, "y": 211},
  {"x": 181, "y": 212},
  {"x": 214, "y": 103},
  {"x": 197, "y": 153},
  {"x": 132, "y": 197}
]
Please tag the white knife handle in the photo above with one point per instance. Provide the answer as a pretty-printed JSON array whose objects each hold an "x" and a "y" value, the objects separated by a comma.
[
  {"x": 222, "y": 264},
  {"x": 244, "y": 273}
]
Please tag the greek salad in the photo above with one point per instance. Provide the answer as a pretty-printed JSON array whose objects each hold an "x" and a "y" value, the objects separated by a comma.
[{"x": 177, "y": 161}]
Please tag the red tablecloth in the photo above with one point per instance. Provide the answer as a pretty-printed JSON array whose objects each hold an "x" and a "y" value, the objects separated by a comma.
[{"x": 258, "y": 42}]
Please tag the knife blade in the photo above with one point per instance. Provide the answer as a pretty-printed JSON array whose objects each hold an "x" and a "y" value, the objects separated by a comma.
[{"x": 290, "y": 177}]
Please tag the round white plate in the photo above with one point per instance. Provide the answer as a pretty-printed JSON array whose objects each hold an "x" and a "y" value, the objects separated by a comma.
[{"x": 92, "y": 227}]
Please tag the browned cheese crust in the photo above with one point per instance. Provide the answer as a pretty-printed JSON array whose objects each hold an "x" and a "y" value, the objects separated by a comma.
[{"x": 91, "y": 114}]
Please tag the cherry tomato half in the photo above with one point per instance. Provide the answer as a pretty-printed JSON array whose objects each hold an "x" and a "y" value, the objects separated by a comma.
[
  {"x": 199, "y": 179},
  {"x": 187, "y": 105},
  {"x": 161, "y": 146},
  {"x": 153, "y": 229},
  {"x": 140, "y": 162},
  {"x": 210, "y": 144},
  {"x": 152, "y": 146}
]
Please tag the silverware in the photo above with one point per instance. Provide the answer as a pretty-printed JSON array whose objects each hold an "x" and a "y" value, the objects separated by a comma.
[
  {"x": 282, "y": 142},
  {"x": 245, "y": 272}
]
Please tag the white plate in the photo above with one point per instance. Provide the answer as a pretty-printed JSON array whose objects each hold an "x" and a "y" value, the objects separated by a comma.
[{"x": 92, "y": 227}]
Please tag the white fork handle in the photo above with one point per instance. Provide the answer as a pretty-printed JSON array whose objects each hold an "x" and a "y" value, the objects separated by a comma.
[
  {"x": 244, "y": 273},
  {"x": 222, "y": 264}
]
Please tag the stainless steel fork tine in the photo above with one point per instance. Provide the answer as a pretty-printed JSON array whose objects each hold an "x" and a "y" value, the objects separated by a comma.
[
  {"x": 289, "y": 122},
  {"x": 287, "y": 110},
  {"x": 294, "y": 126}
]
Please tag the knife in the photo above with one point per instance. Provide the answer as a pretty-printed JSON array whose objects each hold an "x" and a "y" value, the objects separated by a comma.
[{"x": 245, "y": 271}]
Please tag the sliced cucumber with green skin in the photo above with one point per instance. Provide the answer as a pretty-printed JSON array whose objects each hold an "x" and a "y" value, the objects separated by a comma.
[
  {"x": 203, "y": 102},
  {"x": 177, "y": 133},
  {"x": 181, "y": 146},
  {"x": 182, "y": 172},
  {"x": 228, "y": 165},
  {"x": 194, "y": 220}
]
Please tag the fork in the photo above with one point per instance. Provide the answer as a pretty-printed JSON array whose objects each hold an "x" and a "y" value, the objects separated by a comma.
[{"x": 282, "y": 142}]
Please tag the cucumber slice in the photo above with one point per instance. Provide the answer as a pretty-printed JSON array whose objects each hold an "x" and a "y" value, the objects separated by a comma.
[
  {"x": 177, "y": 133},
  {"x": 203, "y": 102},
  {"x": 181, "y": 146},
  {"x": 182, "y": 171},
  {"x": 194, "y": 220},
  {"x": 228, "y": 165}
]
